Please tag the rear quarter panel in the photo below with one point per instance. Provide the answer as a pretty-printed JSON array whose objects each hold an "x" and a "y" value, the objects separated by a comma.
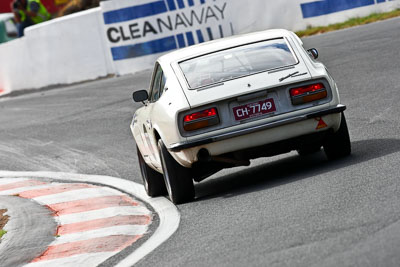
[
  {"x": 166, "y": 109},
  {"x": 316, "y": 69},
  {"x": 162, "y": 114}
]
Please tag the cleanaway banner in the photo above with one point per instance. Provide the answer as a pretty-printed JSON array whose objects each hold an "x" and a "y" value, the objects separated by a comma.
[{"x": 139, "y": 31}]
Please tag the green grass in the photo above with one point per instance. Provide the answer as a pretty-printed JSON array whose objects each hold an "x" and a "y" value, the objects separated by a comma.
[
  {"x": 2, "y": 232},
  {"x": 349, "y": 23}
]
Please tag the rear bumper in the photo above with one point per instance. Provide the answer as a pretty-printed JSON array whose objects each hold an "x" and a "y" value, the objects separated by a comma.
[{"x": 200, "y": 142}]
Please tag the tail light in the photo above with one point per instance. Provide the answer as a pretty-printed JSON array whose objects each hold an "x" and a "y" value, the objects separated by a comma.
[
  {"x": 308, "y": 93},
  {"x": 201, "y": 119}
]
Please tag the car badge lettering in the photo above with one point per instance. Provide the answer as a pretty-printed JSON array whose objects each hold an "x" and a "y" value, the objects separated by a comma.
[{"x": 294, "y": 74}]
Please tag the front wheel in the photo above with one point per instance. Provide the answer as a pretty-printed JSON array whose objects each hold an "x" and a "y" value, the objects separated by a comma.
[
  {"x": 177, "y": 178},
  {"x": 153, "y": 181},
  {"x": 338, "y": 144}
]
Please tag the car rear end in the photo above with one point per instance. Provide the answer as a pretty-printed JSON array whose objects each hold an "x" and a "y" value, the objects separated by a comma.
[{"x": 259, "y": 98}]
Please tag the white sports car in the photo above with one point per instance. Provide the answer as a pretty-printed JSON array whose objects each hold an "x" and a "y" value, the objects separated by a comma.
[{"x": 219, "y": 104}]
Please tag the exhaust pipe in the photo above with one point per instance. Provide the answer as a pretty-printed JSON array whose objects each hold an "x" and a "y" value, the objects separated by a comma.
[{"x": 204, "y": 156}]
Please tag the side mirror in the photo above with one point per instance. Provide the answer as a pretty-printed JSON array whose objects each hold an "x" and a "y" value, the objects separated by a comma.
[
  {"x": 140, "y": 96},
  {"x": 313, "y": 52}
]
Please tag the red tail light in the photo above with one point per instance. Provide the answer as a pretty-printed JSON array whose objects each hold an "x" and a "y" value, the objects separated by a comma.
[
  {"x": 201, "y": 114},
  {"x": 306, "y": 89},
  {"x": 308, "y": 93},
  {"x": 201, "y": 119}
]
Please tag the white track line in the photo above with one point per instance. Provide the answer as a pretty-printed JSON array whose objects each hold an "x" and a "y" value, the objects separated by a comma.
[
  {"x": 103, "y": 213},
  {"x": 18, "y": 190},
  {"x": 78, "y": 194},
  {"x": 5, "y": 181},
  {"x": 25, "y": 188},
  {"x": 167, "y": 212},
  {"x": 103, "y": 232},
  {"x": 87, "y": 259}
]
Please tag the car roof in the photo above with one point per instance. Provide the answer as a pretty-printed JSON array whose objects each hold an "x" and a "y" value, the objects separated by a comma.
[{"x": 223, "y": 43}]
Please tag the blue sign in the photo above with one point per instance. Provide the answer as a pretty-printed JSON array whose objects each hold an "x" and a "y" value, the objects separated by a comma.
[
  {"x": 140, "y": 30},
  {"x": 325, "y": 7}
]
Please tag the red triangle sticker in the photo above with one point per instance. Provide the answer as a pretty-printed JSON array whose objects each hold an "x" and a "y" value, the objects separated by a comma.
[{"x": 321, "y": 124}]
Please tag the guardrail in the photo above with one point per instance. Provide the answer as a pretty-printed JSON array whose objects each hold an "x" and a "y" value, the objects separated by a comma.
[{"x": 126, "y": 36}]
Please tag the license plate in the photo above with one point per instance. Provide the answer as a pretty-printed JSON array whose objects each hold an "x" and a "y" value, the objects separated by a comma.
[{"x": 254, "y": 109}]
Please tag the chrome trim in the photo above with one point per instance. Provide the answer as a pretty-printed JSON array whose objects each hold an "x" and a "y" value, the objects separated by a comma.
[{"x": 185, "y": 145}]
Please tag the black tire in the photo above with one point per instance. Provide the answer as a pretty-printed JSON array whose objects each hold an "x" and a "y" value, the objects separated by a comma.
[
  {"x": 309, "y": 150},
  {"x": 338, "y": 144},
  {"x": 153, "y": 181},
  {"x": 177, "y": 178}
]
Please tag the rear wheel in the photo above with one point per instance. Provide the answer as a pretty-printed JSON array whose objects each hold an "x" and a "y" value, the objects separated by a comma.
[
  {"x": 177, "y": 178},
  {"x": 338, "y": 144},
  {"x": 153, "y": 181}
]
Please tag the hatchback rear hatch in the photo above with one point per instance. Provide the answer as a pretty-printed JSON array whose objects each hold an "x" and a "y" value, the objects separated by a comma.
[{"x": 240, "y": 70}]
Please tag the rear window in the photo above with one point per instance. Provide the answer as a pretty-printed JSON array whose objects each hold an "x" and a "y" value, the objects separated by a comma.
[{"x": 237, "y": 62}]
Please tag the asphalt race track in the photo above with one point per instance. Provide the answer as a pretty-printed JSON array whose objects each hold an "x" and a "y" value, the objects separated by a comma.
[{"x": 283, "y": 211}]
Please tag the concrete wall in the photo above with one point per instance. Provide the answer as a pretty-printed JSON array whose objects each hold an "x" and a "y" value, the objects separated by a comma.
[
  {"x": 62, "y": 51},
  {"x": 125, "y": 36}
]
